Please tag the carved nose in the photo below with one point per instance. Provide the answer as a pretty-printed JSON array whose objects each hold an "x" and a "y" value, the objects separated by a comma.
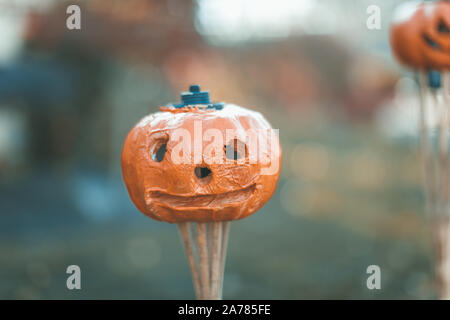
[{"x": 202, "y": 172}]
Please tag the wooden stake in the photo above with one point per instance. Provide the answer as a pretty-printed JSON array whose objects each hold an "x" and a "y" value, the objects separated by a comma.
[
  {"x": 186, "y": 236},
  {"x": 426, "y": 152},
  {"x": 442, "y": 255},
  {"x": 207, "y": 271},
  {"x": 216, "y": 270},
  {"x": 209, "y": 227},
  {"x": 223, "y": 252},
  {"x": 442, "y": 221},
  {"x": 203, "y": 259},
  {"x": 443, "y": 147},
  {"x": 437, "y": 184}
]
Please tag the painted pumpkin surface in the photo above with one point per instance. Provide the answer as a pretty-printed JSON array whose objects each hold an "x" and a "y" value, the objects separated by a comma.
[{"x": 173, "y": 176}]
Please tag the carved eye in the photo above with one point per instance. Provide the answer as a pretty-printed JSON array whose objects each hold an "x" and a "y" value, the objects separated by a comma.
[
  {"x": 235, "y": 149},
  {"x": 443, "y": 28},
  {"x": 159, "y": 148}
]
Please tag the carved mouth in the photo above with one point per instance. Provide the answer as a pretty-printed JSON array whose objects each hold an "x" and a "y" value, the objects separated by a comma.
[
  {"x": 443, "y": 29},
  {"x": 203, "y": 200},
  {"x": 431, "y": 42}
]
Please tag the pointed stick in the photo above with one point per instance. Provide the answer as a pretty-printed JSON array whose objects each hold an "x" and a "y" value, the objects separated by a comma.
[
  {"x": 210, "y": 235},
  {"x": 426, "y": 153},
  {"x": 203, "y": 258},
  {"x": 223, "y": 253},
  {"x": 186, "y": 236},
  {"x": 216, "y": 270},
  {"x": 442, "y": 253},
  {"x": 442, "y": 223},
  {"x": 430, "y": 174},
  {"x": 439, "y": 200},
  {"x": 435, "y": 186},
  {"x": 443, "y": 145},
  {"x": 209, "y": 228},
  {"x": 207, "y": 271}
]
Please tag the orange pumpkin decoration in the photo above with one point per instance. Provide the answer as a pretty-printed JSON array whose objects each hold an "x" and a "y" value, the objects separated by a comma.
[
  {"x": 420, "y": 35},
  {"x": 202, "y": 190}
]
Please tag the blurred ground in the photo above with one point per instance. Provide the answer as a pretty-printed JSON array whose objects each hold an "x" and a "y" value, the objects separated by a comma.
[{"x": 312, "y": 240}]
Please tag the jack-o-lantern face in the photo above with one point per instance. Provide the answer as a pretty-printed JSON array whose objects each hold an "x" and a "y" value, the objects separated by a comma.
[
  {"x": 420, "y": 38},
  {"x": 174, "y": 170}
]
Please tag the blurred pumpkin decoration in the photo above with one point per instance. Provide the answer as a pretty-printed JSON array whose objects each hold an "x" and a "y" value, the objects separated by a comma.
[
  {"x": 420, "y": 39},
  {"x": 420, "y": 35},
  {"x": 197, "y": 162}
]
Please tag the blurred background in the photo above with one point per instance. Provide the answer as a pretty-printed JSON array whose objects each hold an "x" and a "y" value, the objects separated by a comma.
[{"x": 350, "y": 192}]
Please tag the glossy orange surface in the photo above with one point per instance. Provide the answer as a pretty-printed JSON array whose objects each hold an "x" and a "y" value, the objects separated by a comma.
[{"x": 207, "y": 184}]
